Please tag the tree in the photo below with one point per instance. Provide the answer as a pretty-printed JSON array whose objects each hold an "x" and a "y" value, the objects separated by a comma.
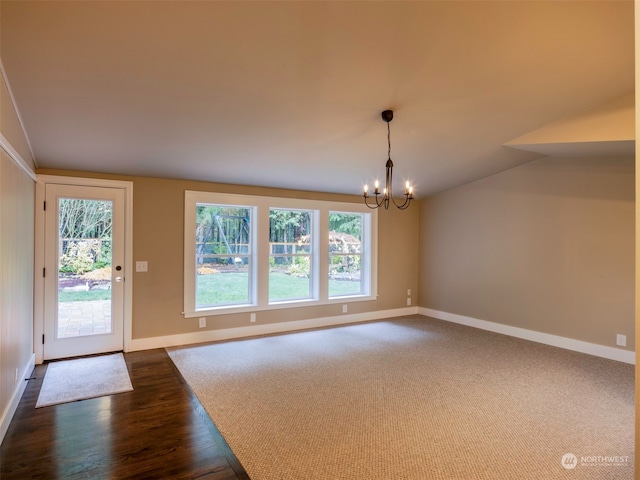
[
  {"x": 221, "y": 230},
  {"x": 80, "y": 218},
  {"x": 288, "y": 225},
  {"x": 349, "y": 223}
]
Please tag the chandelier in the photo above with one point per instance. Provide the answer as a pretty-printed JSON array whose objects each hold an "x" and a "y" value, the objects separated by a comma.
[{"x": 386, "y": 197}]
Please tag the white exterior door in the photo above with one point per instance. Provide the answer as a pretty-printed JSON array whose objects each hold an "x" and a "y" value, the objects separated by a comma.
[{"x": 84, "y": 270}]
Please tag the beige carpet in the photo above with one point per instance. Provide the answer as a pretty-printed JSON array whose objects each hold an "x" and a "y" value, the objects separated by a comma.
[
  {"x": 414, "y": 398},
  {"x": 81, "y": 378}
]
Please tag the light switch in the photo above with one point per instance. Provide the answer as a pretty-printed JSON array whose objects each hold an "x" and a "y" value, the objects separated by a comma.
[{"x": 142, "y": 267}]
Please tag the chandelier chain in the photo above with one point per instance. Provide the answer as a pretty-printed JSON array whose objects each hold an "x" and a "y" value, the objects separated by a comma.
[{"x": 389, "y": 139}]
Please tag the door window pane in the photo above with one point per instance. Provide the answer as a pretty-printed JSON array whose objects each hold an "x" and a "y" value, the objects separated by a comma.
[
  {"x": 84, "y": 267},
  {"x": 223, "y": 255}
]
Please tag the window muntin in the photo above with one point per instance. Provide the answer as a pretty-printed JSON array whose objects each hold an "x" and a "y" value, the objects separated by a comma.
[
  {"x": 223, "y": 255},
  {"x": 290, "y": 254},
  {"x": 345, "y": 254}
]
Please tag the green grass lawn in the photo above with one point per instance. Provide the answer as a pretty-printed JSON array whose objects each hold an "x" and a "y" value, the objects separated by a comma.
[
  {"x": 229, "y": 288},
  {"x": 84, "y": 296}
]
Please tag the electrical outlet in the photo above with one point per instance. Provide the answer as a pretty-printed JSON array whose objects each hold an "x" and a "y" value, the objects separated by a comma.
[
  {"x": 408, "y": 301},
  {"x": 621, "y": 340},
  {"x": 344, "y": 308},
  {"x": 142, "y": 266},
  {"x": 408, "y": 292},
  {"x": 252, "y": 318},
  {"x": 202, "y": 322}
]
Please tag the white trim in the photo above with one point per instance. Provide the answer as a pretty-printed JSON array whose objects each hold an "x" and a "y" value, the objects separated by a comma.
[
  {"x": 128, "y": 262},
  {"x": 11, "y": 408},
  {"x": 42, "y": 180},
  {"x": 15, "y": 109},
  {"x": 38, "y": 279},
  {"x": 603, "y": 351},
  {"x": 85, "y": 182},
  {"x": 266, "y": 329},
  {"x": 15, "y": 156}
]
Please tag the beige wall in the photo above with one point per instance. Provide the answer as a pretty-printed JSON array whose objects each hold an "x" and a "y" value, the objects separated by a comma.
[
  {"x": 158, "y": 218},
  {"x": 548, "y": 246}
]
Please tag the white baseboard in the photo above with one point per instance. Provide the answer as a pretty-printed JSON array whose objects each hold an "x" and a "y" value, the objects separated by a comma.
[
  {"x": 8, "y": 413},
  {"x": 265, "y": 329},
  {"x": 611, "y": 353}
]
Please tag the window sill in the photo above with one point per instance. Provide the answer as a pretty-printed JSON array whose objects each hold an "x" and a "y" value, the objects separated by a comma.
[{"x": 236, "y": 309}]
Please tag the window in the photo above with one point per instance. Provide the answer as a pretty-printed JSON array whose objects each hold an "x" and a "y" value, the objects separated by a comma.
[
  {"x": 247, "y": 253},
  {"x": 223, "y": 255},
  {"x": 290, "y": 254},
  {"x": 345, "y": 254}
]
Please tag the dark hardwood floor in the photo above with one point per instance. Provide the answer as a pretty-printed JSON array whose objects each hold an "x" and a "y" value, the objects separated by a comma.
[{"x": 159, "y": 430}]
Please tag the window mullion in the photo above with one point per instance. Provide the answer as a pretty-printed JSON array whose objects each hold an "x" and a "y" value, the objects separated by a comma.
[
  {"x": 262, "y": 252},
  {"x": 322, "y": 255}
]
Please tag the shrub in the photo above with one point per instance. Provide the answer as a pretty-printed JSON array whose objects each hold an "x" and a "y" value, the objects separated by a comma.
[
  {"x": 99, "y": 274},
  {"x": 206, "y": 270},
  {"x": 300, "y": 267},
  {"x": 79, "y": 256}
]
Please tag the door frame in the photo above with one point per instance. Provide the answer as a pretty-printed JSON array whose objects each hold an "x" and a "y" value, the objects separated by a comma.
[{"x": 38, "y": 310}]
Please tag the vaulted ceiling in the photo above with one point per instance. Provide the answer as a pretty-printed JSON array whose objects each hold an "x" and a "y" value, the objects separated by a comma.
[{"x": 289, "y": 94}]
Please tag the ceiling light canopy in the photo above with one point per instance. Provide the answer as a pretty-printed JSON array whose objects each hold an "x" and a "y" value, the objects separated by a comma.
[{"x": 386, "y": 197}]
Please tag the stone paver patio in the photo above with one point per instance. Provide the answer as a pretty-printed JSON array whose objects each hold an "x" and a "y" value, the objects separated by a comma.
[{"x": 77, "y": 319}]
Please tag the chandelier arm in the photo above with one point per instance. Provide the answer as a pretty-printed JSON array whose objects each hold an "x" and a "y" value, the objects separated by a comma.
[
  {"x": 377, "y": 203},
  {"x": 406, "y": 203},
  {"x": 367, "y": 204},
  {"x": 384, "y": 202}
]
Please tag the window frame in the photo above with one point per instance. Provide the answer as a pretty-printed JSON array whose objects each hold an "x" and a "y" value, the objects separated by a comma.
[
  {"x": 312, "y": 255},
  {"x": 259, "y": 230},
  {"x": 249, "y": 254},
  {"x": 365, "y": 266}
]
